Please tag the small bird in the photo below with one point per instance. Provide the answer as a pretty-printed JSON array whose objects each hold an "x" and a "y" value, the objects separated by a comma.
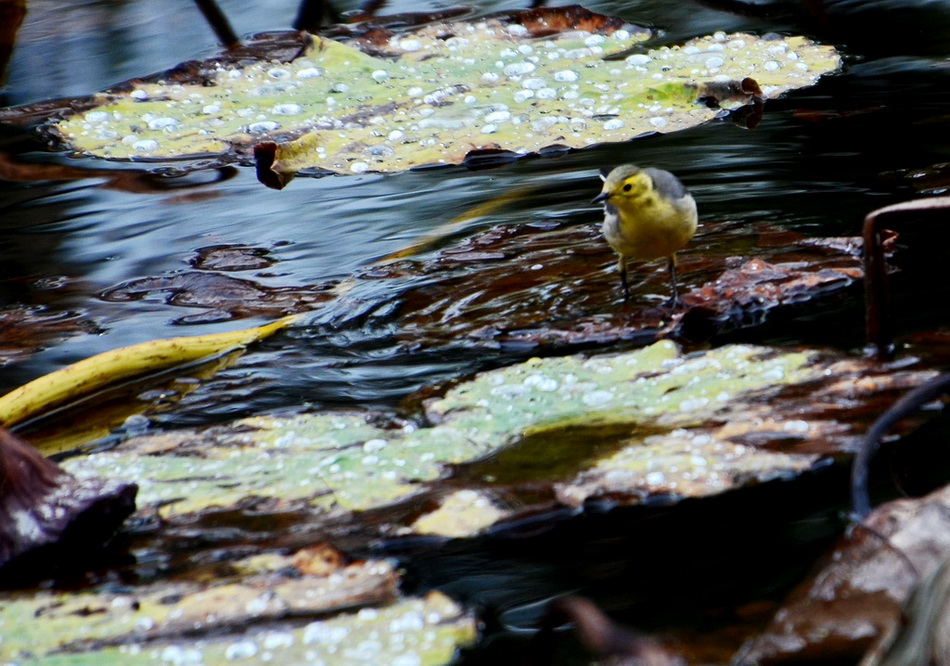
[{"x": 648, "y": 214}]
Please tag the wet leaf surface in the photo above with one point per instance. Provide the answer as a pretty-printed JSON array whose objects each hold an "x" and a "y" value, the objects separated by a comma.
[
  {"x": 234, "y": 618},
  {"x": 47, "y": 515},
  {"x": 468, "y": 293},
  {"x": 441, "y": 91},
  {"x": 652, "y": 422}
]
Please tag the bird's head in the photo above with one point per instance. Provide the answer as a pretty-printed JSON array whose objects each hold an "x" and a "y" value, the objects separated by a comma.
[{"x": 624, "y": 183}]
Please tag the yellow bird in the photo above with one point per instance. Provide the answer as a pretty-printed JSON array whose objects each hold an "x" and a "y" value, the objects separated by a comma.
[{"x": 648, "y": 214}]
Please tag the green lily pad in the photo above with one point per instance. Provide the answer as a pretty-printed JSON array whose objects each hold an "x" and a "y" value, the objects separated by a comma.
[
  {"x": 642, "y": 422},
  {"x": 438, "y": 92}
]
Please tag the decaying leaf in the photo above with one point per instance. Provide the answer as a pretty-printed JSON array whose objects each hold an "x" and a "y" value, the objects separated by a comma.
[
  {"x": 83, "y": 377},
  {"x": 857, "y": 598},
  {"x": 47, "y": 514},
  {"x": 516, "y": 81},
  {"x": 236, "y": 619}
]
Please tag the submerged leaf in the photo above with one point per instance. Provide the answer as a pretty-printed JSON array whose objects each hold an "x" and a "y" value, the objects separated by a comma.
[{"x": 435, "y": 94}]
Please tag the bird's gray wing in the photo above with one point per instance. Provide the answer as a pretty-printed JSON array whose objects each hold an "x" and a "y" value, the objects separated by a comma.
[{"x": 667, "y": 184}]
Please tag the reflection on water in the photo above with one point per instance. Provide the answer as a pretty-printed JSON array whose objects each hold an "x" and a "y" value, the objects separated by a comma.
[{"x": 818, "y": 162}]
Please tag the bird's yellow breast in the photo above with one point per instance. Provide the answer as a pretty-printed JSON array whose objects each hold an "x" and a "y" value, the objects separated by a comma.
[{"x": 649, "y": 226}]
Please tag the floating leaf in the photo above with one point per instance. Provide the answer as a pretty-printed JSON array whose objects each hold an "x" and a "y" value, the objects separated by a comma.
[
  {"x": 434, "y": 94},
  {"x": 629, "y": 425},
  {"x": 81, "y": 378},
  {"x": 236, "y": 619}
]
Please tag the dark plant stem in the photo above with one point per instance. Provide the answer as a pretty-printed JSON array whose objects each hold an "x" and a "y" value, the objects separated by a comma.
[
  {"x": 219, "y": 23},
  {"x": 907, "y": 405}
]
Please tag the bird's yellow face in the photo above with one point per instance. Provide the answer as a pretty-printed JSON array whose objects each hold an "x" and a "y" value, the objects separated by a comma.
[{"x": 628, "y": 188}]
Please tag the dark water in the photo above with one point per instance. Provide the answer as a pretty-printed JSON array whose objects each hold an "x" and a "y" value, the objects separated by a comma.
[
  {"x": 819, "y": 161},
  {"x": 873, "y": 134}
]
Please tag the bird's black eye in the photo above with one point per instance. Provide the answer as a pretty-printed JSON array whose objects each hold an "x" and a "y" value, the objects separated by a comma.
[{"x": 626, "y": 188}]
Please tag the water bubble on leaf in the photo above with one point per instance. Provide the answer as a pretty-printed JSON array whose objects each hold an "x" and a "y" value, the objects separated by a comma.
[
  {"x": 523, "y": 95},
  {"x": 287, "y": 110},
  {"x": 613, "y": 124},
  {"x": 415, "y": 91},
  {"x": 209, "y": 109},
  {"x": 278, "y": 73},
  {"x": 597, "y": 398},
  {"x": 395, "y": 135},
  {"x": 374, "y": 445},
  {"x": 543, "y": 123},
  {"x": 566, "y": 76},
  {"x": 656, "y": 121},
  {"x": 519, "y": 68},
  {"x": 381, "y": 151},
  {"x": 772, "y": 65},
  {"x": 655, "y": 478},
  {"x": 470, "y": 99},
  {"x": 277, "y": 639},
  {"x": 359, "y": 167},
  {"x": 489, "y": 129},
  {"x": 594, "y": 40},
  {"x": 163, "y": 123},
  {"x": 97, "y": 116},
  {"x": 497, "y": 117},
  {"x": 309, "y": 73},
  {"x": 490, "y": 77},
  {"x": 578, "y": 54},
  {"x": 339, "y": 87},
  {"x": 241, "y": 650},
  {"x": 533, "y": 83},
  {"x": 410, "y": 44},
  {"x": 525, "y": 49},
  {"x": 516, "y": 30},
  {"x": 380, "y": 75},
  {"x": 547, "y": 93},
  {"x": 570, "y": 94},
  {"x": 736, "y": 44},
  {"x": 621, "y": 35},
  {"x": 145, "y": 145},
  {"x": 714, "y": 62},
  {"x": 263, "y": 127}
]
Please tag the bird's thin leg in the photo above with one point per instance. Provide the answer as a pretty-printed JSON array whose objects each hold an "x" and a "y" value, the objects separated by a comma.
[
  {"x": 674, "y": 301},
  {"x": 622, "y": 267}
]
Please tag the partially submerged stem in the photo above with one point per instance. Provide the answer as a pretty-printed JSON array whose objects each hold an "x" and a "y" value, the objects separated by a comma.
[
  {"x": 219, "y": 23},
  {"x": 907, "y": 405}
]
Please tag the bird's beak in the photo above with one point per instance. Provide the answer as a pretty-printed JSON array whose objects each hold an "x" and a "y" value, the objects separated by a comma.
[{"x": 600, "y": 198}]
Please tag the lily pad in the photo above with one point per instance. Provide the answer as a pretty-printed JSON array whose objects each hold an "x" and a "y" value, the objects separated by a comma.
[
  {"x": 629, "y": 425},
  {"x": 236, "y": 620},
  {"x": 434, "y": 94}
]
